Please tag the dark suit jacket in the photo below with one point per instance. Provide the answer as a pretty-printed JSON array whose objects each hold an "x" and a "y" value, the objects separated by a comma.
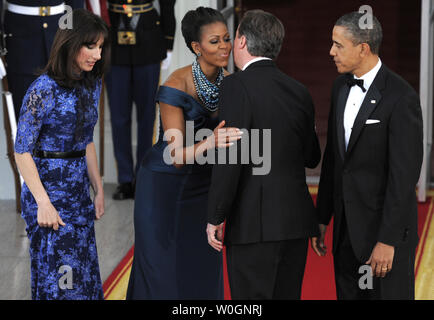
[
  {"x": 276, "y": 206},
  {"x": 373, "y": 182},
  {"x": 27, "y": 34},
  {"x": 154, "y": 34}
]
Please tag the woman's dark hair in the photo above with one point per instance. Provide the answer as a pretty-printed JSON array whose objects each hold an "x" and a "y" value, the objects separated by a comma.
[
  {"x": 86, "y": 30},
  {"x": 194, "y": 20}
]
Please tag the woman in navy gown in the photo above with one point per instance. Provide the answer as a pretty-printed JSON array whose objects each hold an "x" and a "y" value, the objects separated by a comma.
[
  {"x": 172, "y": 258},
  {"x": 57, "y": 159}
]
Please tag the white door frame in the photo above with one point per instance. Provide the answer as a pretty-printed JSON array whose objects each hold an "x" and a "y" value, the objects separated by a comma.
[
  {"x": 426, "y": 91},
  {"x": 228, "y": 13}
]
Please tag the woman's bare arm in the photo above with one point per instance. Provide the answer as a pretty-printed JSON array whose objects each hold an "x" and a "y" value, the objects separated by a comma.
[{"x": 95, "y": 179}]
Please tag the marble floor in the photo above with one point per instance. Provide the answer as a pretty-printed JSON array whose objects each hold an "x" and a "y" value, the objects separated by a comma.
[{"x": 114, "y": 236}]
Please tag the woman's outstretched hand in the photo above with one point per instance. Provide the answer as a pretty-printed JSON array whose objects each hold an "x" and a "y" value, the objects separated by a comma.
[{"x": 224, "y": 137}]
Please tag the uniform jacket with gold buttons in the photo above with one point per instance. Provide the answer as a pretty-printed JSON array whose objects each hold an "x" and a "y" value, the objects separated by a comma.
[
  {"x": 31, "y": 34},
  {"x": 154, "y": 32}
]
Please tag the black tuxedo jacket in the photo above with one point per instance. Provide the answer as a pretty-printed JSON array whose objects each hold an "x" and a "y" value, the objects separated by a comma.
[
  {"x": 373, "y": 182},
  {"x": 275, "y": 206}
]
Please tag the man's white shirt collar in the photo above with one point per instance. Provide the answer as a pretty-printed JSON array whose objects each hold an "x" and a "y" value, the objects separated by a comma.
[
  {"x": 369, "y": 77},
  {"x": 253, "y": 61}
]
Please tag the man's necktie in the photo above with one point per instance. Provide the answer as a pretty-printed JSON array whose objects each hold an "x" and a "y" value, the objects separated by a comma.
[{"x": 355, "y": 82}]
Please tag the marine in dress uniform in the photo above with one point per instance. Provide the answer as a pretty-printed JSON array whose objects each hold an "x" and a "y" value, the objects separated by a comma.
[
  {"x": 30, "y": 26},
  {"x": 141, "y": 38}
]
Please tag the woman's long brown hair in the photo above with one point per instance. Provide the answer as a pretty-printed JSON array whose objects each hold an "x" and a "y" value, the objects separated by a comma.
[{"x": 87, "y": 29}]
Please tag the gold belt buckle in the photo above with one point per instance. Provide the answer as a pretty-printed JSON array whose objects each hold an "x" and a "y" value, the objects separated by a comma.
[
  {"x": 128, "y": 10},
  {"x": 44, "y": 11},
  {"x": 126, "y": 37}
]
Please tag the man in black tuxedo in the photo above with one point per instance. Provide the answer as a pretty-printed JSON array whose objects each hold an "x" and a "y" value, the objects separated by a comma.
[
  {"x": 370, "y": 169},
  {"x": 269, "y": 214}
]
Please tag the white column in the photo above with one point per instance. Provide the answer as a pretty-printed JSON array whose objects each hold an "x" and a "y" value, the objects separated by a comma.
[
  {"x": 181, "y": 55},
  {"x": 426, "y": 94},
  {"x": 229, "y": 14},
  {"x": 7, "y": 185}
]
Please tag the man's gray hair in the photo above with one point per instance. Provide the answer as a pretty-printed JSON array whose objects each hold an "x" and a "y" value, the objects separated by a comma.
[
  {"x": 372, "y": 35},
  {"x": 264, "y": 33}
]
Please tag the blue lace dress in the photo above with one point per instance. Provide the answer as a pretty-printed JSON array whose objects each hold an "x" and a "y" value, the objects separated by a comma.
[{"x": 64, "y": 263}]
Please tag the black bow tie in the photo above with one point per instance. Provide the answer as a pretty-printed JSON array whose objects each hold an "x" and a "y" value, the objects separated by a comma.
[{"x": 355, "y": 82}]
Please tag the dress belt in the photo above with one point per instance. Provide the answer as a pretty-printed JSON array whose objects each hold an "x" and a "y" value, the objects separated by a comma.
[
  {"x": 59, "y": 155},
  {"x": 36, "y": 11}
]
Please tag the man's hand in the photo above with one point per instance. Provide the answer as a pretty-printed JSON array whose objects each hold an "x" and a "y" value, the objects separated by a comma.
[
  {"x": 381, "y": 259},
  {"x": 318, "y": 243},
  {"x": 215, "y": 236}
]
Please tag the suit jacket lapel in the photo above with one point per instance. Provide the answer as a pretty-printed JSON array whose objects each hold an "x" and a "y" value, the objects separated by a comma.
[
  {"x": 372, "y": 98},
  {"x": 342, "y": 101}
]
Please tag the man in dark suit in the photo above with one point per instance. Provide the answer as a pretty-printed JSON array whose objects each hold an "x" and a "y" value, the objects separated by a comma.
[
  {"x": 30, "y": 26},
  {"x": 370, "y": 169},
  {"x": 269, "y": 214},
  {"x": 141, "y": 39}
]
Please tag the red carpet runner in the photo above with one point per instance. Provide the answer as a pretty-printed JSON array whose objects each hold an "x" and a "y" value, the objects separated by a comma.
[{"x": 318, "y": 283}]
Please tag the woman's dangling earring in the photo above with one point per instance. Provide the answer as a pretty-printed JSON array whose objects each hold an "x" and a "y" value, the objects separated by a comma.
[{"x": 199, "y": 54}]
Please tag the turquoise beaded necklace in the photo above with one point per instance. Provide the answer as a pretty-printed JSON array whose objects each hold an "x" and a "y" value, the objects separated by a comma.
[{"x": 207, "y": 91}]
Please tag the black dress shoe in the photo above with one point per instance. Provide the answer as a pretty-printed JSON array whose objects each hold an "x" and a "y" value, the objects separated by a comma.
[{"x": 124, "y": 191}]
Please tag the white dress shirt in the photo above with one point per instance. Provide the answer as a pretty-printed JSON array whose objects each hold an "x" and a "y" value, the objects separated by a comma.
[
  {"x": 254, "y": 60},
  {"x": 355, "y": 99}
]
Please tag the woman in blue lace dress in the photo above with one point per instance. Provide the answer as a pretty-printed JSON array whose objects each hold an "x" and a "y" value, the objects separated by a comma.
[
  {"x": 56, "y": 156},
  {"x": 172, "y": 258}
]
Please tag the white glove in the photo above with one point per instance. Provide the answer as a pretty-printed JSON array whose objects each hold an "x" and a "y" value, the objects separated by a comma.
[
  {"x": 2, "y": 69},
  {"x": 166, "y": 62}
]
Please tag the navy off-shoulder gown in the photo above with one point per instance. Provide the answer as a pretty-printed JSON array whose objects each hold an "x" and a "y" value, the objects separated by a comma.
[{"x": 172, "y": 258}]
